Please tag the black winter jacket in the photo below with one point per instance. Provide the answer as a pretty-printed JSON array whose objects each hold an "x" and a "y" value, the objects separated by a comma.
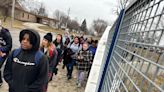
[
  {"x": 5, "y": 42},
  {"x": 23, "y": 73}
]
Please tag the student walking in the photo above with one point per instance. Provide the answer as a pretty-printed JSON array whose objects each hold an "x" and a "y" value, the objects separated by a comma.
[
  {"x": 58, "y": 42},
  {"x": 5, "y": 46},
  {"x": 66, "y": 38},
  {"x": 26, "y": 68},
  {"x": 65, "y": 54},
  {"x": 49, "y": 49},
  {"x": 84, "y": 58},
  {"x": 74, "y": 46},
  {"x": 93, "y": 49}
]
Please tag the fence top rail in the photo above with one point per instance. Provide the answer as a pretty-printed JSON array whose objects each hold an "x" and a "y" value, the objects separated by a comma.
[{"x": 132, "y": 2}]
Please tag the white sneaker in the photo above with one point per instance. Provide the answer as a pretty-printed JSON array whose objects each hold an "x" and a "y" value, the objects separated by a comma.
[
  {"x": 79, "y": 85},
  {"x": 77, "y": 82},
  {"x": 0, "y": 84}
]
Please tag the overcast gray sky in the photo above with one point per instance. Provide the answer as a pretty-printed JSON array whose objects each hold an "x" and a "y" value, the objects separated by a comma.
[{"x": 81, "y": 9}]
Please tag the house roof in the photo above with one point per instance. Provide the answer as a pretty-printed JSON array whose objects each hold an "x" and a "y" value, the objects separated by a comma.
[
  {"x": 18, "y": 6},
  {"x": 44, "y": 17}
]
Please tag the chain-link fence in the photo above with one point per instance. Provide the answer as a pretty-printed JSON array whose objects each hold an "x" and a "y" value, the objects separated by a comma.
[{"x": 136, "y": 61}]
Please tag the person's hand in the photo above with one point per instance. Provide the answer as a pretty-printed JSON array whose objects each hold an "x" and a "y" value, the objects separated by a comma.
[
  {"x": 78, "y": 57},
  {"x": 2, "y": 54}
]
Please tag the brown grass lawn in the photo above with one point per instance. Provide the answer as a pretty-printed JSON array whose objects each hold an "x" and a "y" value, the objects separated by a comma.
[
  {"x": 17, "y": 24},
  {"x": 50, "y": 29}
]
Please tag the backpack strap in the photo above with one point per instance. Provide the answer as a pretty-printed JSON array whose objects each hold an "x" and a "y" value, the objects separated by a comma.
[
  {"x": 72, "y": 43},
  {"x": 38, "y": 56},
  {"x": 16, "y": 52}
]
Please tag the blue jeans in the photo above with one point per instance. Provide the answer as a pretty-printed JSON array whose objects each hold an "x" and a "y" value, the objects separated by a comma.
[
  {"x": 2, "y": 60},
  {"x": 70, "y": 67}
]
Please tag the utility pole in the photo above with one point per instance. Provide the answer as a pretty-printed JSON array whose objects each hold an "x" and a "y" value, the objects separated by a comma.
[
  {"x": 12, "y": 13},
  {"x": 68, "y": 17}
]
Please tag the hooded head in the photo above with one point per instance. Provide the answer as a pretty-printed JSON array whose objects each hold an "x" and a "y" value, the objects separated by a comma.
[
  {"x": 48, "y": 37},
  {"x": 29, "y": 37}
]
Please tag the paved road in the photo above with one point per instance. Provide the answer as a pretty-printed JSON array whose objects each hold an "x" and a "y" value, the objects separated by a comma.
[{"x": 59, "y": 83}]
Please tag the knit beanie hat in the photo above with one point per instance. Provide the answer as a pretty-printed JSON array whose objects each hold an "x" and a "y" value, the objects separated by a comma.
[{"x": 48, "y": 37}]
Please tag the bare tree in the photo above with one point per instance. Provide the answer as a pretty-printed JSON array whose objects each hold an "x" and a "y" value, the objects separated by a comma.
[
  {"x": 32, "y": 6},
  {"x": 73, "y": 24},
  {"x": 64, "y": 19},
  {"x": 121, "y": 5},
  {"x": 99, "y": 25},
  {"x": 42, "y": 10},
  {"x": 61, "y": 17},
  {"x": 5, "y": 4},
  {"x": 35, "y": 11},
  {"x": 56, "y": 14}
]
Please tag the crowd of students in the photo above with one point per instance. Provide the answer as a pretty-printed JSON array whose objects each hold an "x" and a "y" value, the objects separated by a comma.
[{"x": 31, "y": 67}]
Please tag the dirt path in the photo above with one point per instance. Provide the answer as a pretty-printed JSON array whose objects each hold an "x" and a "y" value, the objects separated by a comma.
[
  {"x": 33, "y": 26},
  {"x": 61, "y": 84}
]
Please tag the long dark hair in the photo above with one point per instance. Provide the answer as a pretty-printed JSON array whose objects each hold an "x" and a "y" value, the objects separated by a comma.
[
  {"x": 73, "y": 40},
  {"x": 77, "y": 38},
  {"x": 61, "y": 38},
  {"x": 61, "y": 41}
]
